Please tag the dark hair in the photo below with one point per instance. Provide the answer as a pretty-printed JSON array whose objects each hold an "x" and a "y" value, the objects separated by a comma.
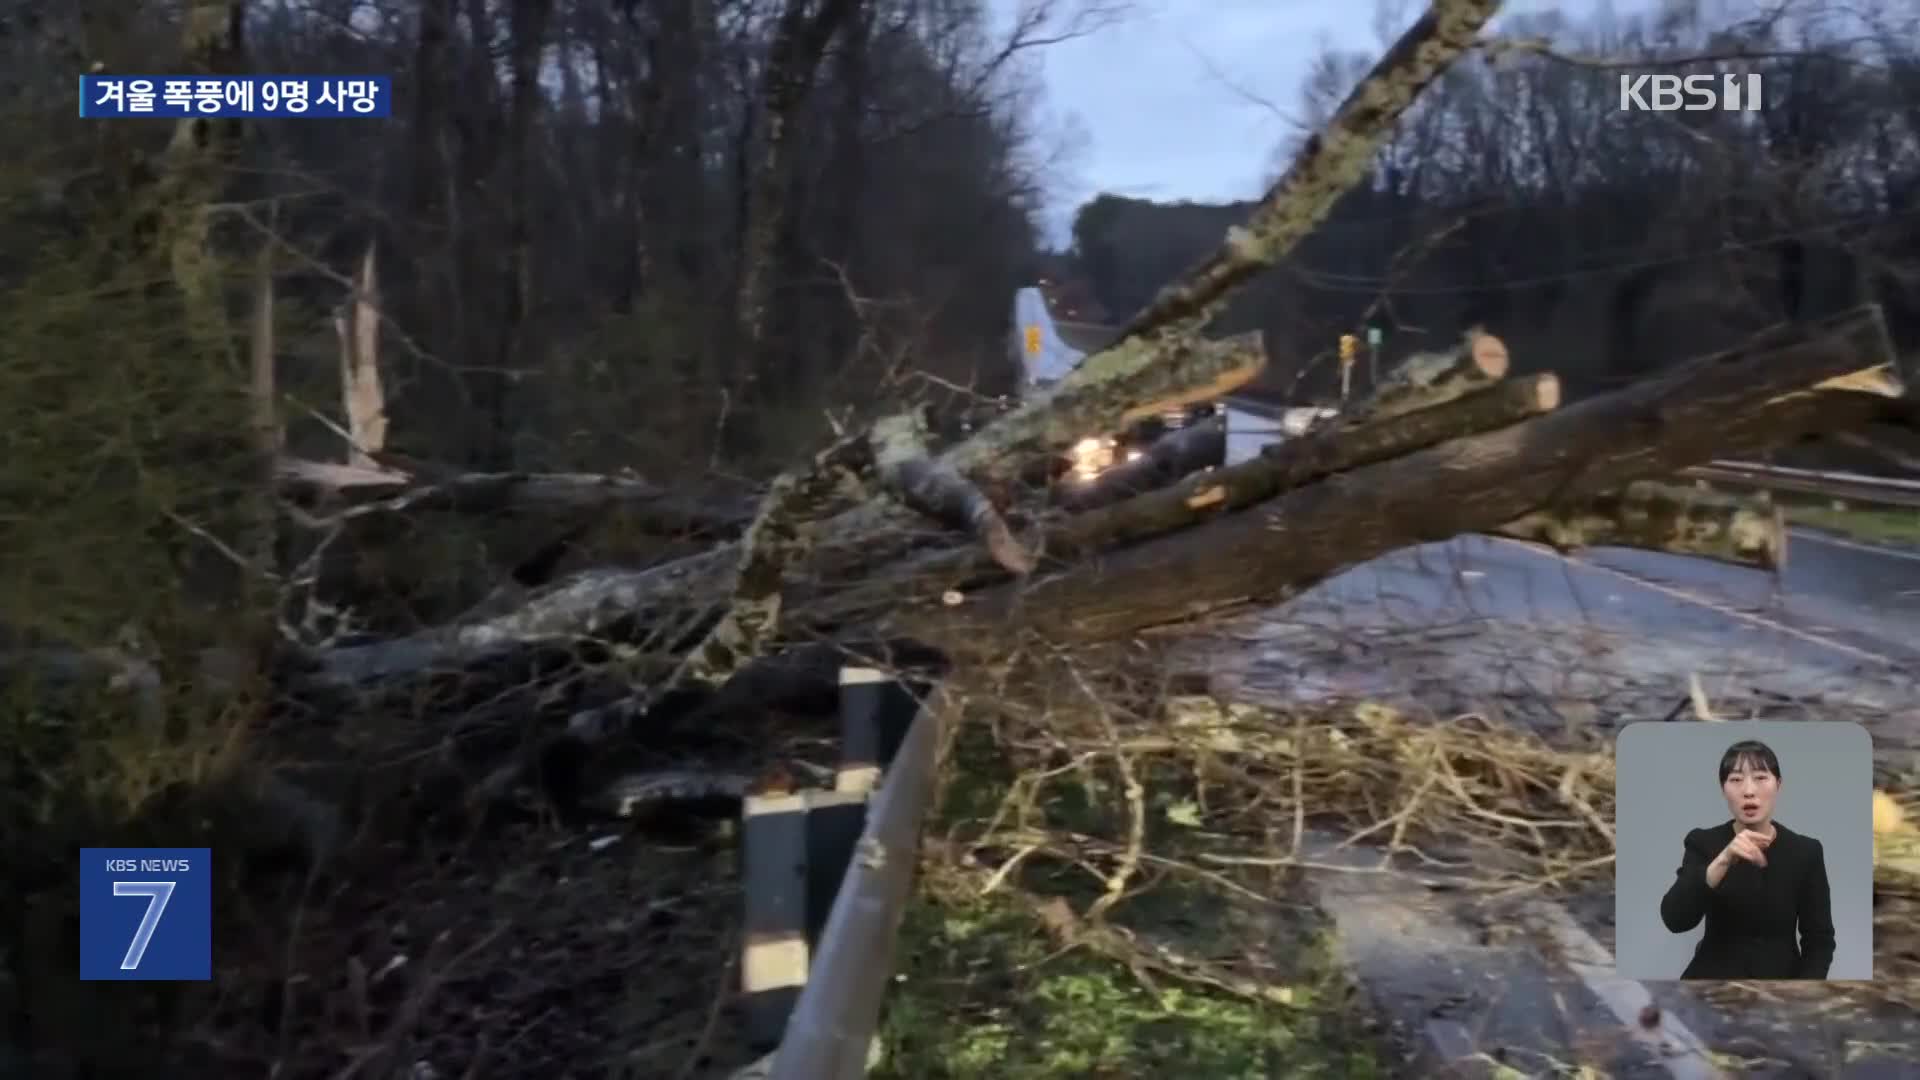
[{"x": 1749, "y": 752}]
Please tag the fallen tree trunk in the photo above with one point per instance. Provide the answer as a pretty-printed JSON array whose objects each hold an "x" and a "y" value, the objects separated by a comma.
[
  {"x": 691, "y": 592},
  {"x": 1197, "y": 498},
  {"x": 1656, "y": 517},
  {"x": 1741, "y": 401},
  {"x": 359, "y": 491}
]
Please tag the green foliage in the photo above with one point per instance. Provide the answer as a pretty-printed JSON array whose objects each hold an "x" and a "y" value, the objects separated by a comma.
[
  {"x": 118, "y": 433},
  {"x": 124, "y": 456},
  {"x": 983, "y": 993},
  {"x": 986, "y": 991},
  {"x": 1873, "y": 525}
]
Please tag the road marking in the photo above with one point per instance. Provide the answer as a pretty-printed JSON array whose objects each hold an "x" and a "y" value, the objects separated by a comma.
[
  {"x": 1702, "y": 602},
  {"x": 1673, "y": 1045},
  {"x": 1809, "y": 536}
]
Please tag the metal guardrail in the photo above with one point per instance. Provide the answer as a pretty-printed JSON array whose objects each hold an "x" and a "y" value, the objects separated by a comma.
[
  {"x": 827, "y": 877},
  {"x": 1850, "y": 487}
]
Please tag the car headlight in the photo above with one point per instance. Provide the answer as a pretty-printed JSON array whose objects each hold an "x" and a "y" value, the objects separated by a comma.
[{"x": 1092, "y": 456}]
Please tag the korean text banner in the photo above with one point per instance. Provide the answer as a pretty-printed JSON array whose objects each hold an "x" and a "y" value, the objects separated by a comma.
[{"x": 180, "y": 96}]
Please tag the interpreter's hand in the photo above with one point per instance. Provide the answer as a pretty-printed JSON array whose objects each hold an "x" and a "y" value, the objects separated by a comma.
[{"x": 1748, "y": 847}]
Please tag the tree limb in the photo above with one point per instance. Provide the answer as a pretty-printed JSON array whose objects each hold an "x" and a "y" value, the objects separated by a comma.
[
  {"x": 1434, "y": 378},
  {"x": 772, "y": 543},
  {"x": 379, "y": 490},
  {"x": 1330, "y": 164},
  {"x": 1739, "y": 401},
  {"x": 939, "y": 491},
  {"x": 1197, "y": 498},
  {"x": 1659, "y": 517},
  {"x": 1134, "y": 379}
]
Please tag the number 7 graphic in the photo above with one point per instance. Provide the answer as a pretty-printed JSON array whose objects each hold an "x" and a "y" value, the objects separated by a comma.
[{"x": 157, "y": 894}]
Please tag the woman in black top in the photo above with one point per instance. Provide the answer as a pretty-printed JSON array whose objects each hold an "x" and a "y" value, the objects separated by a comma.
[{"x": 1755, "y": 882}]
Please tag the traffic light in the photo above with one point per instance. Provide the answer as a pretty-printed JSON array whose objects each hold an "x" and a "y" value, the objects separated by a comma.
[{"x": 1349, "y": 345}]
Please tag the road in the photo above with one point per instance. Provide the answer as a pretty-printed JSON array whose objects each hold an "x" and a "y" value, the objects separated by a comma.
[
  {"x": 1836, "y": 604},
  {"x": 1598, "y": 639}
]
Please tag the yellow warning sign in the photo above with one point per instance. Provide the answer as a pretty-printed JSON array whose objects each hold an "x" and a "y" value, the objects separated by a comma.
[{"x": 1033, "y": 341}]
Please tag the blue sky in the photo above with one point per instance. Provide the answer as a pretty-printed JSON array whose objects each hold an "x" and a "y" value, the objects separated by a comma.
[{"x": 1188, "y": 99}]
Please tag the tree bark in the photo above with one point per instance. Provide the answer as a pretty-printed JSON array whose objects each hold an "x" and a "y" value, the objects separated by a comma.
[
  {"x": 1656, "y": 517},
  {"x": 799, "y": 43},
  {"x": 1425, "y": 379},
  {"x": 377, "y": 489},
  {"x": 362, "y": 392}
]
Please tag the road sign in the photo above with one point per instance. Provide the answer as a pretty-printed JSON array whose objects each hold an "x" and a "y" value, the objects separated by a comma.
[
  {"x": 1373, "y": 335},
  {"x": 1033, "y": 341},
  {"x": 146, "y": 914},
  {"x": 1348, "y": 346}
]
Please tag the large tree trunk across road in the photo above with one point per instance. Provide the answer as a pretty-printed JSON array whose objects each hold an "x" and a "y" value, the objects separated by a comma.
[{"x": 1741, "y": 401}]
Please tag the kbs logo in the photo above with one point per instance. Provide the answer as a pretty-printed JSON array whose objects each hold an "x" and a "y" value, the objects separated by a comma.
[{"x": 1693, "y": 93}]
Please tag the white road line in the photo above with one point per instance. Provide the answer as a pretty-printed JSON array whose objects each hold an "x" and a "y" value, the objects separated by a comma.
[
  {"x": 1814, "y": 537},
  {"x": 1677, "y": 1049},
  {"x": 1702, "y": 602}
]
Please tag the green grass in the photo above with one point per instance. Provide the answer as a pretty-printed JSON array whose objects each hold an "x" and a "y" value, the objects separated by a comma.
[
  {"x": 985, "y": 994},
  {"x": 1872, "y": 525},
  {"x": 985, "y": 991}
]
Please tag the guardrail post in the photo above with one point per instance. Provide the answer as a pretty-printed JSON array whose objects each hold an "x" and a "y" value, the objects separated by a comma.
[
  {"x": 835, "y": 820},
  {"x": 795, "y": 850},
  {"x": 830, "y": 1035},
  {"x": 774, "y": 953},
  {"x": 876, "y": 709}
]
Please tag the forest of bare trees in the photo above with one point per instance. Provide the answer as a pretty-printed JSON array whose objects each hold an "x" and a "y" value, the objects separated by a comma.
[
  {"x": 1601, "y": 244},
  {"x": 376, "y": 496}
]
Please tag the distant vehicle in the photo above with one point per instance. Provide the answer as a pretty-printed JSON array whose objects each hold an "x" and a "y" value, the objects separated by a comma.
[
  {"x": 1148, "y": 454},
  {"x": 1298, "y": 421}
]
